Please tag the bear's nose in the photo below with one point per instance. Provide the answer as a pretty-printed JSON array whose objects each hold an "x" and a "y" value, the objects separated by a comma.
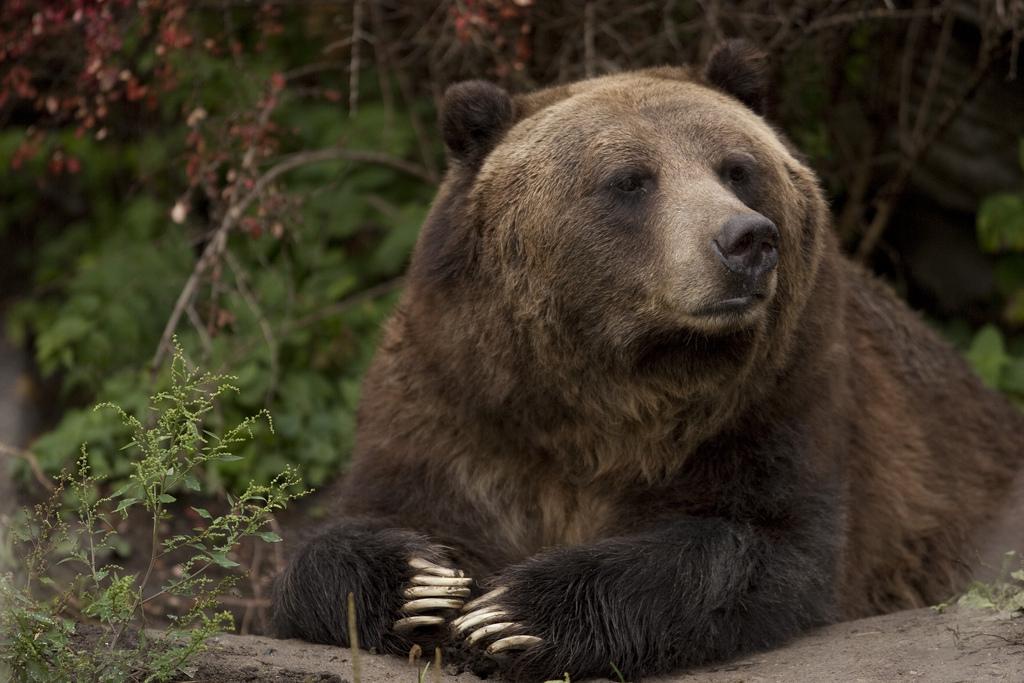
[{"x": 748, "y": 244}]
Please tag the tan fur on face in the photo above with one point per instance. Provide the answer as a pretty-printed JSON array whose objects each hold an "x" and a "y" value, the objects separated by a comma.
[
  {"x": 678, "y": 130},
  {"x": 528, "y": 203}
]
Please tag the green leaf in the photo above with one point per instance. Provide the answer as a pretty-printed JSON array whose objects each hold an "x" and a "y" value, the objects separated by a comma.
[
  {"x": 269, "y": 536},
  {"x": 125, "y": 504},
  {"x": 166, "y": 498},
  {"x": 988, "y": 355},
  {"x": 1001, "y": 223},
  {"x": 977, "y": 598},
  {"x": 221, "y": 558},
  {"x": 202, "y": 512},
  {"x": 1012, "y": 378}
]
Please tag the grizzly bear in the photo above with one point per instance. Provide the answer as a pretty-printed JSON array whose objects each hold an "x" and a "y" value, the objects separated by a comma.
[{"x": 634, "y": 409}]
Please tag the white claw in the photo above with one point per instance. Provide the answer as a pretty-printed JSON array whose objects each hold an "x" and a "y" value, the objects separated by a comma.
[
  {"x": 483, "y": 599},
  {"x": 423, "y": 580},
  {"x": 430, "y": 603},
  {"x": 478, "y": 618},
  {"x": 489, "y": 631},
  {"x": 513, "y": 643},
  {"x": 422, "y": 565},
  {"x": 409, "y": 623},
  {"x": 435, "y": 592}
]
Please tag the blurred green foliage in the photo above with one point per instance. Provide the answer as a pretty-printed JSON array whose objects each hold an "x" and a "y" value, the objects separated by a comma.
[
  {"x": 1000, "y": 221},
  {"x": 108, "y": 263}
]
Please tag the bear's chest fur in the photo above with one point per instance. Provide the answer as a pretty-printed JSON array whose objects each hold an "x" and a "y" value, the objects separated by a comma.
[{"x": 528, "y": 506}]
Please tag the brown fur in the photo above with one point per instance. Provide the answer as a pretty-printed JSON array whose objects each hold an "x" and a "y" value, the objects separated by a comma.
[
  {"x": 542, "y": 445},
  {"x": 548, "y": 379}
]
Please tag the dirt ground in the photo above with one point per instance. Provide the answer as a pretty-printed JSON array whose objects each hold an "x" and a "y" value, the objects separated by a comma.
[{"x": 919, "y": 645}]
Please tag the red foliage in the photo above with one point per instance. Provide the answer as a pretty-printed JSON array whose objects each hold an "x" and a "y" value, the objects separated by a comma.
[
  {"x": 505, "y": 24},
  {"x": 71, "y": 61}
]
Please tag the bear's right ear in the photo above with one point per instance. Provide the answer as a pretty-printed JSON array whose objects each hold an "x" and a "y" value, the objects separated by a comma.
[
  {"x": 740, "y": 69},
  {"x": 474, "y": 116}
]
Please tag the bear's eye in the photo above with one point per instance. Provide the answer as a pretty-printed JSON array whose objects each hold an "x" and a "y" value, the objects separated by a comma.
[
  {"x": 737, "y": 169},
  {"x": 630, "y": 184},
  {"x": 738, "y": 174}
]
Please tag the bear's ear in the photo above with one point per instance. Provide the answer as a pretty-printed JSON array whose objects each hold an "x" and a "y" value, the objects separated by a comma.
[
  {"x": 741, "y": 70},
  {"x": 474, "y": 116}
]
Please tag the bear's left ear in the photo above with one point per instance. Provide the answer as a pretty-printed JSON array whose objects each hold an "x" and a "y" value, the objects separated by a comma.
[
  {"x": 741, "y": 70},
  {"x": 474, "y": 116}
]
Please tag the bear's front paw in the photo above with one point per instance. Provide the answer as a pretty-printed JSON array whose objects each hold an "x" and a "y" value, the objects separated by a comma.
[
  {"x": 488, "y": 623},
  {"x": 432, "y": 588}
]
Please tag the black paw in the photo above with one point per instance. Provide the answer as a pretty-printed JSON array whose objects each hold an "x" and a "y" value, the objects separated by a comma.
[
  {"x": 545, "y": 618},
  {"x": 397, "y": 578}
]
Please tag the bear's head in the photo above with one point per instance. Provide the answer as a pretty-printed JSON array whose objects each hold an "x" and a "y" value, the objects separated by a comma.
[{"x": 645, "y": 224}]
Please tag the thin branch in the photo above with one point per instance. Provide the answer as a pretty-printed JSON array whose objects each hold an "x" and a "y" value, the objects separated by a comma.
[
  {"x": 864, "y": 15},
  {"x": 241, "y": 601},
  {"x": 348, "y": 303},
  {"x": 217, "y": 244},
  {"x": 212, "y": 251},
  {"x": 33, "y": 463},
  {"x": 242, "y": 280},
  {"x": 938, "y": 61},
  {"x": 588, "y": 39},
  {"x": 888, "y": 195},
  {"x": 353, "y": 68}
]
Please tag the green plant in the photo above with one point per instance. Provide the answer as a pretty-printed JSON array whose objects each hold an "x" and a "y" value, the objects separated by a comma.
[
  {"x": 996, "y": 356},
  {"x": 91, "y": 627},
  {"x": 996, "y": 363},
  {"x": 110, "y": 228},
  {"x": 1004, "y": 593},
  {"x": 1000, "y": 225}
]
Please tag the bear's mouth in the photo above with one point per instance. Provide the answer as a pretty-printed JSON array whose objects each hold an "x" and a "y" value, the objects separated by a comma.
[
  {"x": 692, "y": 351},
  {"x": 735, "y": 306}
]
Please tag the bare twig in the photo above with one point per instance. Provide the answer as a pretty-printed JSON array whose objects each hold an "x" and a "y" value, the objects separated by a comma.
[
  {"x": 938, "y": 61},
  {"x": 382, "y": 47},
  {"x": 214, "y": 248},
  {"x": 242, "y": 281},
  {"x": 836, "y": 20},
  {"x": 348, "y": 303},
  {"x": 588, "y": 39},
  {"x": 353, "y": 67},
  {"x": 217, "y": 244},
  {"x": 204, "y": 336},
  {"x": 252, "y": 605},
  {"x": 211, "y": 253},
  {"x": 853, "y": 210},
  {"x": 906, "y": 71},
  {"x": 33, "y": 463},
  {"x": 299, "y": 159},
  {"x": 353, "y": 639},
  {"x": 890, "y": 192},
  {"x": 242, "y": 601}
]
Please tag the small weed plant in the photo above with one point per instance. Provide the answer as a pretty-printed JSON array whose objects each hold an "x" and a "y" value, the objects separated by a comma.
[
  {"x": 92, "y": 628},
  {"x": 1004, "y": 593}
]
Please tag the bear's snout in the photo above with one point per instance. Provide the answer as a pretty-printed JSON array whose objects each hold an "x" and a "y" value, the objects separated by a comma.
[{"x": 748, "y": 245}]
